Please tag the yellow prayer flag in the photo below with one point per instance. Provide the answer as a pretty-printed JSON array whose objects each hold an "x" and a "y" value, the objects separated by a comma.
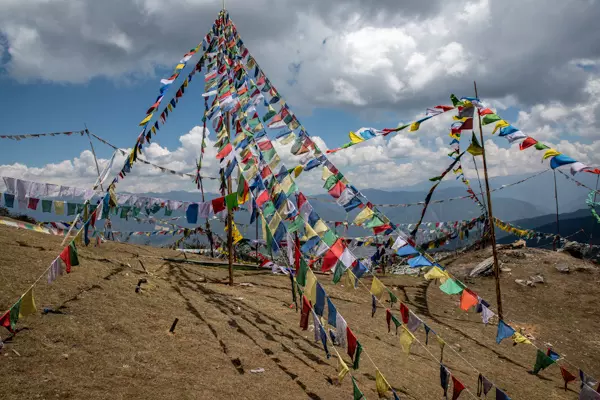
[
  {"x": 286, "y": 183},
  {"x": 406, "y": 339},
  {"x": 274, "y": 223},
  {"x": 170, "y": 107},
  {"x": 363, "y": 216},
  {"x": 263, "y": 225},
  {"x": 59, "y": 207},
  {"x": 377, "y": 288},
  {"x": 310, "y": 290},
  {"x": 349, "y": 279},
  {"x": 441, "y": 342},
  {"x": 310, "y": 232},
  {"x": 500, "y": 124},
  {"x": 381, "y": 383},
  {"x": 294, "y": 124},
  {"x": 27, "y": 304},
  {"x": 343, "y": 368},
  {"x": 185, "y": 83},
  {"x": 288, "y": 139},
  {"x": 320, "y": 227},
  {"x": 326, "y": 173},
  {"x": 550, "y": 153},
  {"x": 298, "y": 170},
  {"x": 414, "y": 127},
  {"x": 354, "y": 138},
  {"x": 179, "y": 66},
  {"x": 518, "y": 338},
  {"x": 436, "y": 273},
  {"x": 145, "y": 120}
]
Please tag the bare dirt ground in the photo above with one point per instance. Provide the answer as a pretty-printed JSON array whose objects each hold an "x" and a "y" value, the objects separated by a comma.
[{"x": 109, "y": 342}]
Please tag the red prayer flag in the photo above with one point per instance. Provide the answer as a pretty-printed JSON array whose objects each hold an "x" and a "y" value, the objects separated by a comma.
[
  {"x": 457, "y": 388},
  {"x": 262, "y": 198},
  {"x": 528, "y": 142},
  {"x": 404, "y": 312},
  {"x": 485, "y": 111},
  {"x": 444, "y": 108},
  {"x": 5, "y": 321},
  {"x": 265, "y": 145},
  {"x": 329, "y": 261},
  {"x": 337, "y": 189},
  {"x": 338, "y": 248},
  {"x": 218, "y": 204},
  {"x": 226, "y": 150},
  {"x": 467, "y": 125},
  {"x": 305, "y": 312},
  {"x": 388, "y": 318},
  {"x": 33, "y": 203},
  {"x": 65, "y": 255},
  {"x": 567, "y": 376},
  {"x": 378, "y": 229},
  {"x": 351, "y": 342}
]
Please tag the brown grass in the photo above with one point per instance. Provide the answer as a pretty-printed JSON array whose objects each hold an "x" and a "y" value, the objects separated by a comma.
[{"x": 109, "y": 342}]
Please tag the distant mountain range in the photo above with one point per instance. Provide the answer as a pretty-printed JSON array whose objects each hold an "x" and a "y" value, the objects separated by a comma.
[{"x": 529, "y": 205}]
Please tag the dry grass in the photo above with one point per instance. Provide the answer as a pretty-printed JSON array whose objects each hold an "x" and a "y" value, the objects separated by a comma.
[{"x": 110, "y": 342}]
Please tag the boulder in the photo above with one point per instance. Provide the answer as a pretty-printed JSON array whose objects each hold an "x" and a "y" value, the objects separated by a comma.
[
  {"x": 563, "y": 268},
  {"x": 484, "y": 268}
]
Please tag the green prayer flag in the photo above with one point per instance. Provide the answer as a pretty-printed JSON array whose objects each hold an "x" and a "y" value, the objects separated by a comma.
[
  {"x": 168, "y": 212},
  {"x": 79, "y": 208},
  {"x": 542, "y": 361},
  {"x": 46, "y": 206},
  {"x": 541, "y": 146},
  {"x": 357, "y": 394},
  {"x": 268, "y": 209},
  {"x": 490, "y": 118},
  {"x": 338, "y": 273},
  {"x": 125, "y": 211},
  {"x": 451, "y": 287},
  {"x": 393, "y": 298},
  {"x": 357, "y": 355},
  {"x": 293, "y": 189},
  {"x": 14, "y": 314},
  {"x": 303, "y": 270},
  {"x": 136, "y": 211},
  {"x": 269, "y": 154},
  {"x": 270, "y": 114},
  {"x": 329, "y": 237},
  {"x": 373, "y": 222},
  {"x": 330, "y": 182},
  {"x": 296, "y": 225},
  {"x": 231, "y": 200},
  {"x": 73, "y": 256},
  {"x": 455, "y": 101},
  {"x": 396, "y": 322},
  {"x": 475, "y": 148},
  {"x": 71, "y": 208}
]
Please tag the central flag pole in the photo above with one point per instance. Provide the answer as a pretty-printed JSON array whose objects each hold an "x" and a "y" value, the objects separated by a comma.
[
  {"x": 94, "y": 154},
  {"x": 490, "y": 217},
  {"x": 229, "y": 213}
]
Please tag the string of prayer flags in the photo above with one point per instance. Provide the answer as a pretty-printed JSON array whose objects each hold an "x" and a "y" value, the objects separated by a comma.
[
  {"x": 364, "y": 134},
  {"x": 513, "y": 134},
  {"x": 38, "y": 135}
]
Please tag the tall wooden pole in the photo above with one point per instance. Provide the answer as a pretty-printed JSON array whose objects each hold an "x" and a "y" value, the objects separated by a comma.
[
  {"x": 490, "y": 217},
  {"x": 256, "y": 246},
  {"x": 94, "y": 154},
  {"x": 556, "y": 200},
  {"x": 229, "y": 214}
]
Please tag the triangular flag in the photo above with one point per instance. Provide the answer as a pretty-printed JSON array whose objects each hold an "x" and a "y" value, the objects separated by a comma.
[
  {"x": 27, "y": 304},
  {"x": 406, "y": 339},
  {"x": 377, "y": 287},
  {"x": 343, "y": 369},
  {"x": 381, "y": 383},
  {"x": 542, "y": 361}
]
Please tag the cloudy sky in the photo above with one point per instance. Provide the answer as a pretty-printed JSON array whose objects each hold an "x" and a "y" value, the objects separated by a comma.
[{"x": 340, "y": 64}]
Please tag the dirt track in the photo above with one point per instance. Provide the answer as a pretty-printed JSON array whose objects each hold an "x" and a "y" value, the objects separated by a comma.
[{"x": 107, "y": 341}]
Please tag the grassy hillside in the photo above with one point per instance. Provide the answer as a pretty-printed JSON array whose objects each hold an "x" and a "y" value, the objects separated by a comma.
[{"x": 103, "y": 340}]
